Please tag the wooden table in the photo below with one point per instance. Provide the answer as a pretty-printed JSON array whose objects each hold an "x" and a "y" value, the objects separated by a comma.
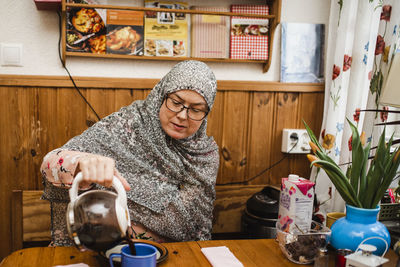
[{"x": 255, "y": 252}]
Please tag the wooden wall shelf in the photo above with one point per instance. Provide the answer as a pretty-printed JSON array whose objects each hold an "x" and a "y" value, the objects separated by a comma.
[
  {"x": 82, "y": 54},
  {"x": 274, "y": 19}
]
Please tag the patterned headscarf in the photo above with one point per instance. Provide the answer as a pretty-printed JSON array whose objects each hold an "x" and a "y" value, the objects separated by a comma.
[{"x": 172, "y": 181}]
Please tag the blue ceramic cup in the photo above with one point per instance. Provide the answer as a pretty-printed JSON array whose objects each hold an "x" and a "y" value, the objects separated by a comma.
[{"x": 146, "y": 256}]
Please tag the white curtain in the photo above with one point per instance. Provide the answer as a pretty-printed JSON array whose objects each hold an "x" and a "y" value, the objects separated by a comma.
[{"x": 362, "y": 36}]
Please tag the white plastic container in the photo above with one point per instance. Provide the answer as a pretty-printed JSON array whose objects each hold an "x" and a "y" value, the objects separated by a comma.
[{"x": 365, "y": 258}]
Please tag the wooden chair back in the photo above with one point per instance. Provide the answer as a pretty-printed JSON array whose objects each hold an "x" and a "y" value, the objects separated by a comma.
[{"x": 30, "y": 219}]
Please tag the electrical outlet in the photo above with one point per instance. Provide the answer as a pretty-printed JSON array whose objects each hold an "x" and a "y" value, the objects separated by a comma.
[{"x": 295, "y": 141}]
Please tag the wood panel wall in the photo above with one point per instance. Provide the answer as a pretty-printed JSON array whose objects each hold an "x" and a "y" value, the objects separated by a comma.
[{"x": 40, "y": 113}]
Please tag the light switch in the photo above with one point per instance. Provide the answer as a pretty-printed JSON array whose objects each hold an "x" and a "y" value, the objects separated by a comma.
[{"x": 11, "y": 54}]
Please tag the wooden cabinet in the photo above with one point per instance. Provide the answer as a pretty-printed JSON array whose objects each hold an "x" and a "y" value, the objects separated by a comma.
[{"x": 273, "y": 17}]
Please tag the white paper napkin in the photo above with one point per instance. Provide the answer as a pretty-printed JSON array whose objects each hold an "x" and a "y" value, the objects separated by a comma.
[
  {"x": 73, "y": 265},
  {"x": 221, "y": 257}
]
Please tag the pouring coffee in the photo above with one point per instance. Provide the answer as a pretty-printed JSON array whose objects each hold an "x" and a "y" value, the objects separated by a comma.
[{"x": 98, "y": 219}]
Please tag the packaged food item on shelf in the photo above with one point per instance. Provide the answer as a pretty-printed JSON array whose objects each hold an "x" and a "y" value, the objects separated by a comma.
[
  {"x": 210, "y": 33},
  {"x": 296, "y": 204},
  {"x": 125, "y": 32},
  {"x": 166, "y": 33},
  {"x": 86, "y": 28},
  {"x": 249, "y": 36}
]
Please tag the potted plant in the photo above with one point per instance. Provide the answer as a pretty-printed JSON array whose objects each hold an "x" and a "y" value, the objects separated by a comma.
[{"x": 361, "y": 186}]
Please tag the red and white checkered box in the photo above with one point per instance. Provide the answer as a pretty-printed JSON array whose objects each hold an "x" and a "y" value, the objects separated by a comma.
[{"x": 249, "y": 38}]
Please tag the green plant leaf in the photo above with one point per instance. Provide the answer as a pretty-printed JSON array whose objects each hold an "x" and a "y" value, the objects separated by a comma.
[
  {"x": 376, "y": 184},
  {"x": 381, "y": 150},
  {"x": 312, "y": 136},
  {"x": 340, "y": 182},
  {"x": 372, "y": 178},
  {"x": 348, "y": 171},
  {"x": 322, "y": 155},
  {"x": 363, "y": 185},
  {"x": 363, "y": 174},
  {"x": 378, "y": 171},
  {"x": 357, "y": 157},
  {"x": 389, "y": 173},
  {"x": 319, "y": 153}
]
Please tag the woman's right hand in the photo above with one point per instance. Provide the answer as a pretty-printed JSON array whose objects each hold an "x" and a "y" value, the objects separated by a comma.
[{"x": 100, "y": 170}]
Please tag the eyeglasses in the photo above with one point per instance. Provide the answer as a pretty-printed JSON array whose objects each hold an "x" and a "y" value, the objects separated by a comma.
[{"x": 176, "y": 106}]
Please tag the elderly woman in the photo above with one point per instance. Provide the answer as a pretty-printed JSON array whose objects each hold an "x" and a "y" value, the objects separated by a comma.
[{"x": 158, "y": 148}]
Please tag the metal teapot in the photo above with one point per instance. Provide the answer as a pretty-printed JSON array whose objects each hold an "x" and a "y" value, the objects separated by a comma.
[{"x": 97, "y": 219}]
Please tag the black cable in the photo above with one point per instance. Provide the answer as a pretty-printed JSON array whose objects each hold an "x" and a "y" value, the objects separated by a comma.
[
  {"x": 263, "y": 171},
  {"x": 65, "y": 67}
]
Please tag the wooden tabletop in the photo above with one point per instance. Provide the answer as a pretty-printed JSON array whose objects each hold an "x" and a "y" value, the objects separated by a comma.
[{"x": 255, "y": 252}]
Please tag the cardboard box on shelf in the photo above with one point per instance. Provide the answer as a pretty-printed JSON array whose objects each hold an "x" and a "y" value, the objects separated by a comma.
[{"x": 54, "y": 5}]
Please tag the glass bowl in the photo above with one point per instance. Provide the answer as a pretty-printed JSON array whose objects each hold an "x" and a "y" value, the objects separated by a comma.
[{"x": 303, "y": 248}]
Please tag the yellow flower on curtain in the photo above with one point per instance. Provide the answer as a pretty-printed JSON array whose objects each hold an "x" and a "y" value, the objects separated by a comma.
[
  {"x": 328, "y": 141},
  {"x": 386, "y": 54}
]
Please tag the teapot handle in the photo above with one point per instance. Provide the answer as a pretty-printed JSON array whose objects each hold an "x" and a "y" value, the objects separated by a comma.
[{"x": 116, "y": 183}]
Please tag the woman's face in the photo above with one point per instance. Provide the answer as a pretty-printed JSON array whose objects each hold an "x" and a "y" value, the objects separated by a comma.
[{"x": 177, "y": 124}]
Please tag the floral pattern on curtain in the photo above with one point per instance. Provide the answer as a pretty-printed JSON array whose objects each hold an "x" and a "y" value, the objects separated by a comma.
[
  {"x": 362, "y": 37},
  {"x": 387, "y": 44}
]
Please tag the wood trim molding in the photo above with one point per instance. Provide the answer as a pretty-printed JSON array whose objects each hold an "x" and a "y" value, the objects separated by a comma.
[
  {"x": 269, "y": 86},
  {"x": 142, "y": 83},
  {"x": 84, "y": 82}
]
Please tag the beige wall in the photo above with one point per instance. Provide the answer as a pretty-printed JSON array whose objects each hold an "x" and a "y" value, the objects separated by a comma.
[{"x": 21, "y": 22}]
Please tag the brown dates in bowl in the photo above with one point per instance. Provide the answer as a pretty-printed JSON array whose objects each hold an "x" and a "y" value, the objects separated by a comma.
[{"x": 302, "y": 248}]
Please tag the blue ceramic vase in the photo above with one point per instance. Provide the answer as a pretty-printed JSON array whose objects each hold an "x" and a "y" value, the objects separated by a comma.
[{"x": 348, "y": 232}]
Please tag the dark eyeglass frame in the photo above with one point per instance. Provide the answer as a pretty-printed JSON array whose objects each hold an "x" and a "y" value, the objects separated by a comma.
[{"x": 184, "y": 107}]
